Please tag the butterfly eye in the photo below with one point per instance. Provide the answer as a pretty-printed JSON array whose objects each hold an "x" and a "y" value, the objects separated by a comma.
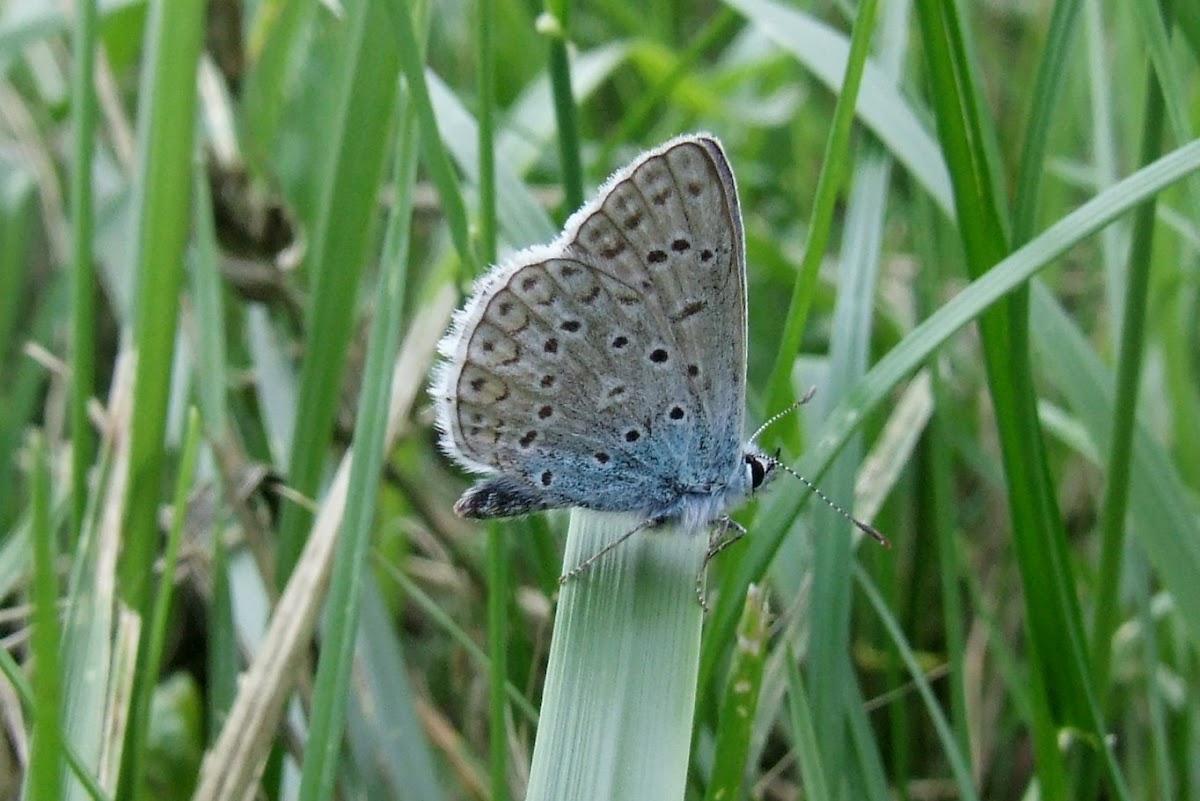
[{"x": 758, "y": 471}]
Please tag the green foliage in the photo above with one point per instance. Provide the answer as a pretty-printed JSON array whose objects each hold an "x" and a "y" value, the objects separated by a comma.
[{"x": 984, "y": 258}]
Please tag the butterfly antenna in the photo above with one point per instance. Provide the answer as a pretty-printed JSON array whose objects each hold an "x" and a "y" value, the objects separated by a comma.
[
  {"x": 865, "y": 528},
  {"x": 778, "y": 415}
]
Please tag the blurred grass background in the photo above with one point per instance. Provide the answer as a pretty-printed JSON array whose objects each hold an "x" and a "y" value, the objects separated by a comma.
[{"x": 232, "y": 232}]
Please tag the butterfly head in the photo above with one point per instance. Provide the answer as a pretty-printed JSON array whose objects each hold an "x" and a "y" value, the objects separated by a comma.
[{"x": 760, "y": 469}]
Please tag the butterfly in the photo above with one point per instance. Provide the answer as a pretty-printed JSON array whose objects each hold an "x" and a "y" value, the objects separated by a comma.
[{"x": 607, "y": 369}]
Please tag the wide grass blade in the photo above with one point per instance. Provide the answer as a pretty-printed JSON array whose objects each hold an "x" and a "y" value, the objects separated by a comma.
[{"x": 616, "y": 717}]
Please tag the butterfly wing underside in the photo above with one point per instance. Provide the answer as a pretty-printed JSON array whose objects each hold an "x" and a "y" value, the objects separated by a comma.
[{"x": 607, "y": 369}]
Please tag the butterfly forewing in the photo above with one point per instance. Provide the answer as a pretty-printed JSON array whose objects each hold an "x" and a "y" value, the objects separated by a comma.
[
  {"x": 607, "y": 369},
  {"x": 677, "y": 212}
]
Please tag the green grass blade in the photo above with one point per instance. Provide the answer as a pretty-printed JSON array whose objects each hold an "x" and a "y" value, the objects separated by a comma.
[
  {"x": 385, "y": 734},
  {"x": 275, "y": 33},
  {"x": 18, "y": 395},
  {"x": 476, "y": 654},
  {"x": 497, "y": 541},
  {"x": 807, "y": 741},
  {"x": 161, "y": 206},
  {"x": 88, "y": 644},
  {"x": 44, "y": 779},
  {"x": 936, "y": 497},
  {"x": 1102, "y": 94},
  {"x": 848, "y": 356},
  {"x": 1047, "y": 91},
  {"x": 616, "y": 718},
  {"x": 359, "y": 131},
  {"x": 564, "y": 102},
  {"x": 154, "y": 634},
  {"x": 344, "y": 602},
  {"x": 83, "y": 274},
  {"x": 950, "y": 565},
  {"x": 738, "y": 707},
  {"x": 436, "y": 160},
  {"x": 1128, "y": 382},
  {"x": 211, "y": 378},
  {"x": 869, "y": 768},
  {"x": 829, "y": 188},
  {"x": 161, "y": 222}
]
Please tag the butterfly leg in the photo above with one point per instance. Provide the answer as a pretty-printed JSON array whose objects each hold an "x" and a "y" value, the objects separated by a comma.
[
  {"x": 717, "y": 542},
  {"x": 586, "y": 563}
]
